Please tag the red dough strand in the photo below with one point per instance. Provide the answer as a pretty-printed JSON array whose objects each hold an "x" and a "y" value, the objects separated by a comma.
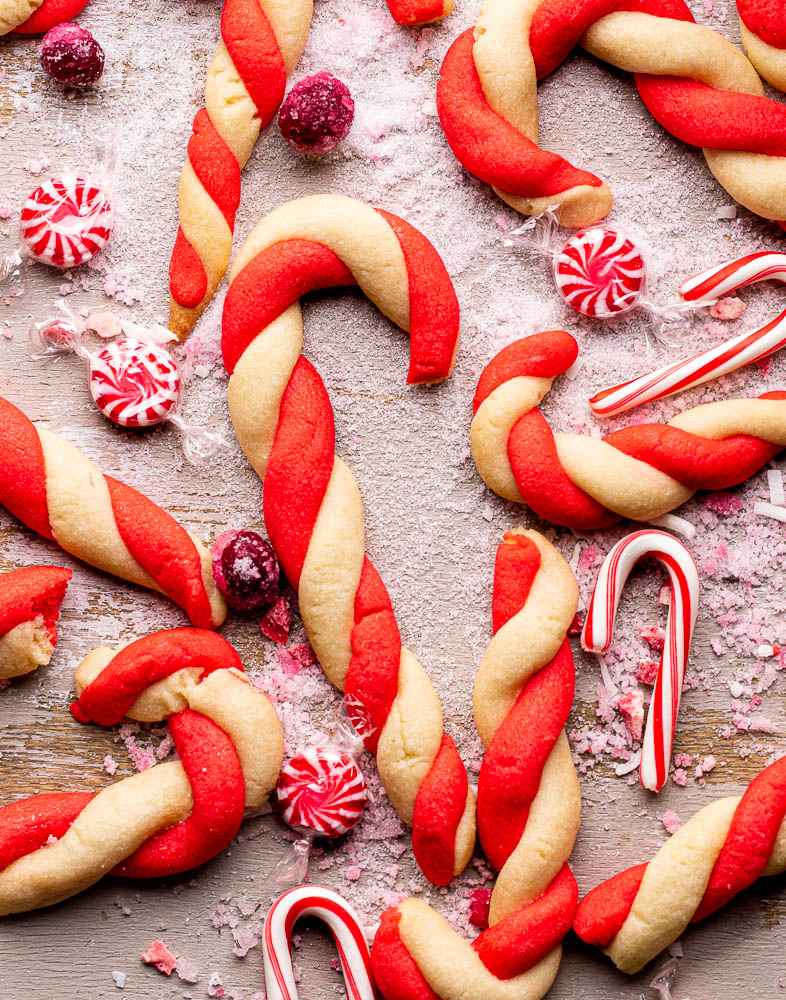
[
  {"x": 765, "y": 18},
  {"x": 487, "y": 145},
  {"x": 22, "y": 471},
  {"x": 434, "y": 308},
  {"x": 26, "y": 594},
  {"x": 49, "y": 14},
  {"x": 147, "y": 661},
  {"x": 163, "y": 548},
  {"x": 213, "y": 768}
]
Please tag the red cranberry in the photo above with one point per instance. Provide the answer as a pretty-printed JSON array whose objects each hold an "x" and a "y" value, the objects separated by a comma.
[
  {"x": 245, "y": 569},
  {"x": 71, "y": 56},
  {"x": 317, "y": 113}
]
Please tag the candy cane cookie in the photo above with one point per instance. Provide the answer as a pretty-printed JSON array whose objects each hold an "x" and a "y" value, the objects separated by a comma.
[
  {"x": 722, "y": 850},
  {"x": 763, "y": 35},
  {"x": 284, "y": 422},
  {"x": 695, "y": 83},
  {"x": 529, "y": 804},
  {"x": 261, "y": 43},
  {"x": 171, "y": 817},
  {"x": 639, "y": 472},
  {"x": 35, "y": 17},
  {"x": 30, "y": 600},
  {"x": 57, "y": 491}
]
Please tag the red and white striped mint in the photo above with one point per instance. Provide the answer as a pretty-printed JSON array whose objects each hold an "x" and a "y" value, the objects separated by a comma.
[
  {"x": 683, "y": 608},
  {"x": 134, "y": 384},
  {"x": 322, "y": 791},
  {"x": 600, "y": 273},
  {"x": 66, "y": 221}
]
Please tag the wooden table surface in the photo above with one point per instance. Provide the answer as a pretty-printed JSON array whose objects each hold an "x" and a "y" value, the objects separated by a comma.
[{"x": 432, "y": 526}]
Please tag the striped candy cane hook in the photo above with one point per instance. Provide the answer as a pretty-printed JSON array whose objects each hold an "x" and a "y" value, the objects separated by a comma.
[
  {"x": 344, "y": 925},
  {"x": 734, "y": 353},
  {"x": 599, "y": 626}
]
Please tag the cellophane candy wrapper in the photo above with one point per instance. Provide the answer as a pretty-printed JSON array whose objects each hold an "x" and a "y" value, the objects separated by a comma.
[
  {"x": 65, "y": 221},
  {"x": 321, "y": 792},
  {"x": 598, "y": 271},
  {"x": 133, "y": 379}
]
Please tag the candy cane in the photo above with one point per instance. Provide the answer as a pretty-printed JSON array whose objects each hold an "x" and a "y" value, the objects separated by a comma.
[
  {"x": 599, "y": 626},
  {"x": 726, "y": 357},
  {"x": 345, "y": 926}
]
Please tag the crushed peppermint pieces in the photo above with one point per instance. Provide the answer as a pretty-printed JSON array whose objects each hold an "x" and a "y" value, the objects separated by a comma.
[{"x": 161, "y": 957}]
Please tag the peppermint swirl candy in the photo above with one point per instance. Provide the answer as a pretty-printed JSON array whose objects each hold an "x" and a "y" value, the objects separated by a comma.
[
  {"x": 600, "y": 273},
  {"x": 322, "y": 791},
  {"x": 66, "y": 221},
  {"x": 134, "y": 384}
]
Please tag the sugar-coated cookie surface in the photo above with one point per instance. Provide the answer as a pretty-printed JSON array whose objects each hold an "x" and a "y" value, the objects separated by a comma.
[
  {"x": 529, "y": 804},
  {"x": 696, "y": 84},
  {"x": 171, "y": 817},
  {"x": 639, "y": 472},
  {"x": 57, "y": 491},
  {"x": 30, "y": 600},
  {"x": 722, "y": 850},
  {"x": 284, "y": 421}
]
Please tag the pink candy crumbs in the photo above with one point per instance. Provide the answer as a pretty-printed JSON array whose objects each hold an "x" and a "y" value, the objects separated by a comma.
[
  {"x": 631, "y": 706},
  {"x": 647, "y": 672},
  {"x": 729, "y": 308},
  {"x": 317, "y": 114},
  {"x": 159, "y": 955},
  {"x": 671, "y": 821},
  {"x": 479, "y": 904},
  {"x": 276, "y": 621}
]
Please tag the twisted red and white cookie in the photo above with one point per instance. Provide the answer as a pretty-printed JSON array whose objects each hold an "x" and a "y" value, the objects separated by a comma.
[
  {"x": 171, "y": 817},
  {"x": 763, "y": 33},
  {"x": 30, "y": 600},
  {"x": 695, "y": 83},
  {"x": 313, "y": 512},
  {"x": 722, "y": 850},
  {"x": 529, "y": 804},
  {"x": 261, "y": 42},
  {"x": 640, "y": 472},
  {"x": 57, "y": 491}
]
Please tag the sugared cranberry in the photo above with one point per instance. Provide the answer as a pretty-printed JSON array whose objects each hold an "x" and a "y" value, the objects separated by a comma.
[
  {"x": 317, "y": 113},
  {"x": 71, "y": 56},
  {"x": 245, "y": 569}
]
